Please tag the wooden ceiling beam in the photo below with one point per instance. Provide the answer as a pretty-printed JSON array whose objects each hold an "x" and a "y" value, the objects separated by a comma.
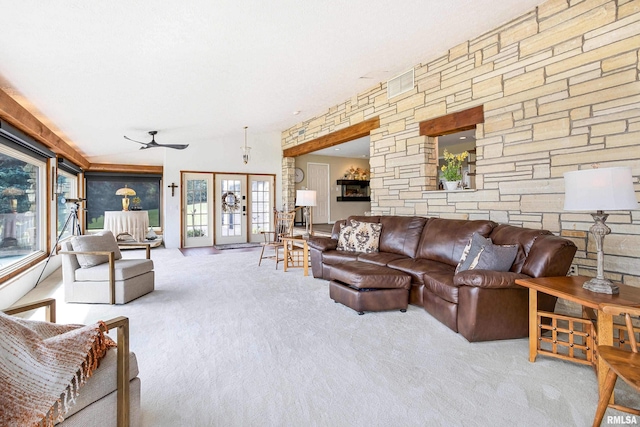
[
  {"x": 454, "y": 122},
  {"x": 334, "y": 138},
  {"x": 113, "y": 167},
  {"x": 18, "y": 116}
]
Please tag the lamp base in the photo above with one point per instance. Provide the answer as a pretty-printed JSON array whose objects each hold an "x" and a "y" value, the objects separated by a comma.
[{"x": 601, "y": 286}]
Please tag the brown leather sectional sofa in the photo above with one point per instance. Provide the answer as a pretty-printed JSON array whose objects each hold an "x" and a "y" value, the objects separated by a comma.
[{"x": 481, "y": 305}]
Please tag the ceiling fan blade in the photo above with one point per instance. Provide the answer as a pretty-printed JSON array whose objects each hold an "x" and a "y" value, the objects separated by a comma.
[
  {"x": 174, "y": 146},
  {"x": 143, "y": 143},
  {"x": 153, "y": 143}
]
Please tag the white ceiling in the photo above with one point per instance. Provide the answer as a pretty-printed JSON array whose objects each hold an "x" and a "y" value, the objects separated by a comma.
[{"x": 199, "y": 71}]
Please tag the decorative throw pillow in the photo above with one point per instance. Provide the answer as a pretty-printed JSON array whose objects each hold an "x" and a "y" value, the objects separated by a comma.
[
  {"x": 95, "y": 242},
  {"x": 344, "y": 239},
  {"x": 471, "y": 251},
  {"x": 495, "y": 257},
  {"x": 366, "y": 236}
]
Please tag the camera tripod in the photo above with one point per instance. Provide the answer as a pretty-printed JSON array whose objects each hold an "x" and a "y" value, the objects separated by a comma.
[{"x": 75, "y": 230}]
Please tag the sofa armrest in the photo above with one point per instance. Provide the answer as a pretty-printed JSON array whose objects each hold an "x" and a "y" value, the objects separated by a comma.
[
  {"x": 488, "y": 279},
  {"x": 322, "y": 244}
]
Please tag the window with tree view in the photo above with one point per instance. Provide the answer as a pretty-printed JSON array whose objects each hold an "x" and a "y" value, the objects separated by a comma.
[
  {"x": 101, "y": 196},
  {"x": 21, "y": 210}
]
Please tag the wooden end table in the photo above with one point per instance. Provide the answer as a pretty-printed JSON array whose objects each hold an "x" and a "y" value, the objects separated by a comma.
[
  {"x": 296, "y": 243},
  {"x": 570, "y": 288}
]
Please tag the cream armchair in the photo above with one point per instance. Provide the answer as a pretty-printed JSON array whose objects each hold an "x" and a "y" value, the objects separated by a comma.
[
  {"x": 111, "y": 397},
  {"x": 93, "y": 270}
]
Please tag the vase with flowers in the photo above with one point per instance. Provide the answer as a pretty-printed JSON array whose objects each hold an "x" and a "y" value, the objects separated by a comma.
[{"x": 452, "y": 169}]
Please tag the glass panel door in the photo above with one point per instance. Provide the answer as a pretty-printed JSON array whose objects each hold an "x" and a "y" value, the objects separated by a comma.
[
  {"x": 197, "y": 210},
  {"x": 261, "y": 211},
  {"x": 231, "y": 209}
]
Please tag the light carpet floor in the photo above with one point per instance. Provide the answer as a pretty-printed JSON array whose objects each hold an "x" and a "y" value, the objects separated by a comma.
[{"x": 223, "y": 342}]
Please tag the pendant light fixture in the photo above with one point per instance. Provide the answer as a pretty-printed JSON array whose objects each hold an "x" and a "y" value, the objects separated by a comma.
[{"x": 246, "y": 151}]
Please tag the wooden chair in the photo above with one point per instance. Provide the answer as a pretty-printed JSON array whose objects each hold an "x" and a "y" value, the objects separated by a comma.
[
  {"x": 622, "y": 363},
  {"x": 283, "y": 227}
]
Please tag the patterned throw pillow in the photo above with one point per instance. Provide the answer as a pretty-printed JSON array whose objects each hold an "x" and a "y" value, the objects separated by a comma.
[
  {"x": 365, "y": 236},
  {"x": 482, "y": 254},
  {"x": 473, "y": 248},
  {"x": 344, "y": 239}
]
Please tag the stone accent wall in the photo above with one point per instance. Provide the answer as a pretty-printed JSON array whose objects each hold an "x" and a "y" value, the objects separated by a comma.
[{"x": 560, "y": 91}]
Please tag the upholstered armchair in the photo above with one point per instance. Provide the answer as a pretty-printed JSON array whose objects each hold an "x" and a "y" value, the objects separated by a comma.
[
  {"x": 111, "y": 396},
  {"x": 93, "y": 270}
]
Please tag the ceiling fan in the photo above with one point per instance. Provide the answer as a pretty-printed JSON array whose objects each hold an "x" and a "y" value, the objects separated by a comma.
[{"x": 154, "y": 144}]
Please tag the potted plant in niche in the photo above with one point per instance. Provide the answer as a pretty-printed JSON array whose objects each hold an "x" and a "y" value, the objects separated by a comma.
[{"x": 452, "y": 169}]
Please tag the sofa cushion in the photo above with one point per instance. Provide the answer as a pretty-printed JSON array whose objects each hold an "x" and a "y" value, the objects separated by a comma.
[
  {"x": 103, "y": 381},
  {"x": 124, "y": 269},
  {"x": 418, "y": 267},
  {"x": 444, "y": 240},
  {"x": 365, "y": 236},
  {"x": 471, "y": 251},
  {"x": 400, "y": 235},
  {"x": 95, "y": 243},
  {"x": 363, "y": 275},
  {"x": 380, "y": 258}
]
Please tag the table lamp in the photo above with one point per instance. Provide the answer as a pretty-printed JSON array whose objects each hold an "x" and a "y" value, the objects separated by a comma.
[
  {"x": 306, "y": 198},
  {"x": 606, "y": 189},
  {"x": 126, "y": 192}
]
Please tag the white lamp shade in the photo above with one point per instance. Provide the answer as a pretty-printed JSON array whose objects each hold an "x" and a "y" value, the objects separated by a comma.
[
  {"x": 606, "y": 189},
  {"x": 305, "y": 198}
]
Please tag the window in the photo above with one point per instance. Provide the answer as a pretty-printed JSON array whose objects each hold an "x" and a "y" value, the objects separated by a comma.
[
  {"x": 22, "y": 208},
  {"x": 66, "y": 188},
  {"x": 101, "y": 196}
]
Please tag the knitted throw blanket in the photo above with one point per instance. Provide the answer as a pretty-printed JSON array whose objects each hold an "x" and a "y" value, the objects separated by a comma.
[{"x": 42, "y": 366}]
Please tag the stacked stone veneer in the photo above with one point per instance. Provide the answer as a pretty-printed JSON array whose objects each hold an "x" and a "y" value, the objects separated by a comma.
[{"x": 560, "y": 91}]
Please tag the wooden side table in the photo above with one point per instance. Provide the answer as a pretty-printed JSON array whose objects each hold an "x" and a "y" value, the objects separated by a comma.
[
  {"x": 296, "y": 243},
  {"x": 570, "y": 288}
]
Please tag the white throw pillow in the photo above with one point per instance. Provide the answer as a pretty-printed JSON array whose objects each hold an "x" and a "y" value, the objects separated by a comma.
[{"x": 95, "y": 242}]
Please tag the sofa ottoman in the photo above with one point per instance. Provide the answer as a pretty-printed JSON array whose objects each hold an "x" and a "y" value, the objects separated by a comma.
[{"x": 369, "y": 287}]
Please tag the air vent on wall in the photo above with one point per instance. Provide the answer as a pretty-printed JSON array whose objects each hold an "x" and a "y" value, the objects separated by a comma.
[{"x": 400, "y": 84}]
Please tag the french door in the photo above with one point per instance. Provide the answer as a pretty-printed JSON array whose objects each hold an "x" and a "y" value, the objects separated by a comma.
[
  {"x": 226, "y": 208},
  {"x": 197, "y": 213}
]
